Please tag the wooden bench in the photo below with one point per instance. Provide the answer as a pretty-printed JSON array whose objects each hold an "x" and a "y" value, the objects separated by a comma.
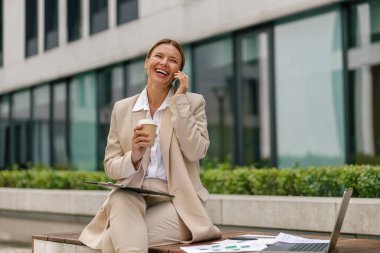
[{"x": 69, "y": 243}]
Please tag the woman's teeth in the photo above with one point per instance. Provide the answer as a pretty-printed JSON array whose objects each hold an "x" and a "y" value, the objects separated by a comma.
[{"x": 161, "y": 72}]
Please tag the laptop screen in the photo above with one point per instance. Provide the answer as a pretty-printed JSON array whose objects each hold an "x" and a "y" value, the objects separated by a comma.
[{"x": 339, "y": 221}]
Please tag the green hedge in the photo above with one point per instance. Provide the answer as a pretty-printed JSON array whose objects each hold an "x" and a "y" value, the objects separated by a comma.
[
  {"x": 226, "y": 179},
  {"x": 48, "y": 178},
  {"x": 312, "y": 181}
]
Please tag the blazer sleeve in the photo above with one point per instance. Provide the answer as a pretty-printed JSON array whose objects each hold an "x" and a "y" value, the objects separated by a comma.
[
  {"x": 190, "y": 125},
  {"x": 117, "y": 164}
]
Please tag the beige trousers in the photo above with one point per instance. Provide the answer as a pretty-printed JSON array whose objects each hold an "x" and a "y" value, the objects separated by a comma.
[{"x": 137, "y": 222}]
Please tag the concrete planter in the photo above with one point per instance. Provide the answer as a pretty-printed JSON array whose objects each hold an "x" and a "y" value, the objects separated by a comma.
[{"x": 24, "y": 212}]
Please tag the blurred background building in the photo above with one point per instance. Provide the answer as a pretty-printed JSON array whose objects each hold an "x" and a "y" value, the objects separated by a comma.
[{"x": 287, "y": 82}]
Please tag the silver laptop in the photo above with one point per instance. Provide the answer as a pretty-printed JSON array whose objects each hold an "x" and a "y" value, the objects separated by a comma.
[{"x": 279, "y": 247}]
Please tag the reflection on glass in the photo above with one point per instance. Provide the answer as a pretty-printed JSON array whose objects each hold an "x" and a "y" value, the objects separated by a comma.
[
  {"x": 365, "y": 89},
  {"x": 110, "y": 85},
  {"x": 135, "y": 77},
  {"x": 365, "y": 23},
  {"x": 364, "y": 82},
  {"x": 4, "y": 131},
  {"x": 309, "y": 91},
  {"x": 60, "y": 124},
  {"x": 41, "y": 130},
  {"x": 213, "y": 78},
  {"x": 83, "y": 121},
  {"x": 254, "y": 98},
  {"x": 21, "y": 128}
]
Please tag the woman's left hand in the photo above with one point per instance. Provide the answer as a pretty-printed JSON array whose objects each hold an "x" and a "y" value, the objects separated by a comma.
[{"x": 183, "y": 82}]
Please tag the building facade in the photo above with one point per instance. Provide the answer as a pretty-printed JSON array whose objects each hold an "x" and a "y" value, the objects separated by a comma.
[{"x": 287, "y": 83}]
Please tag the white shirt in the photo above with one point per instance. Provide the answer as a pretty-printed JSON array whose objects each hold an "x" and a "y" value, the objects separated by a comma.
[{"x": 156, "y": 167}]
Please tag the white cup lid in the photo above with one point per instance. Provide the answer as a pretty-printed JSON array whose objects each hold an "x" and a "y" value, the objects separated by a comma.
[{"x": 147, "y": 121}]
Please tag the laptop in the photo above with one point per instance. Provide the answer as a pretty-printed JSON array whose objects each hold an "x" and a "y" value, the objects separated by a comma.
[{"x": 281, "y": 247}]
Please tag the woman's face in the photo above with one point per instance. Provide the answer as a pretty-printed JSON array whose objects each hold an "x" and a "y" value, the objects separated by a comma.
[{"x": 164, "y": 61}]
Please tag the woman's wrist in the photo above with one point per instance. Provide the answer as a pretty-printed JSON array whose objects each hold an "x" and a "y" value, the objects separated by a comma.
[{"x": 136, "y": 162}]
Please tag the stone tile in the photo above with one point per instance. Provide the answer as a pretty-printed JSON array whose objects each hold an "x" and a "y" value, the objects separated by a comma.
[{"x": 214, "y": 210}]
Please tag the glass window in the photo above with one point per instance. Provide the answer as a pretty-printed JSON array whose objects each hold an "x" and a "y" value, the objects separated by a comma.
[
  {"x": 98, "y": 15},
  {"x": 60, "y": 154},
  {"x": 364, "y": 82},
  {"x": 1, "y": 32},
  {"x": 253, "y": 99},
  {"x": 213, "y": 77},
  {"x": 364, "y": 23},
  {"x": 188, "y": 65},
  {"x": 309, "y": 91},
  {"x": 4, "y": 131},
  {"x": 51, "y": 24},
  {"x": 31, "y": 27},
  {"x": 127, "y": 10},
  {"x": 21, "y": 128},
  {"x": 135, "y": 77},
  {"x": 83, "y": 121},
  {"x": 74, "y": 19},
  {"x": 41, "y": 124},
  {"x": 110, "y": 85}
]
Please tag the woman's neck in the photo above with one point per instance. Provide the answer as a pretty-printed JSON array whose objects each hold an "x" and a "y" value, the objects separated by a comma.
[{"x": 156, "y": 95}]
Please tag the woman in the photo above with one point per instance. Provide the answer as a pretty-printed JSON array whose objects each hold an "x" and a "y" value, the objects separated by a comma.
[{"x": 128, "y": 221}]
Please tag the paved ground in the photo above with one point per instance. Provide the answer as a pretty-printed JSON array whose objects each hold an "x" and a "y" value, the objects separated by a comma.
[{"x": 14, "y": 248}]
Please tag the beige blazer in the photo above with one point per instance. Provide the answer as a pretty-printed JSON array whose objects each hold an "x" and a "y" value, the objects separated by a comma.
[{"x": 184, "y": 141}]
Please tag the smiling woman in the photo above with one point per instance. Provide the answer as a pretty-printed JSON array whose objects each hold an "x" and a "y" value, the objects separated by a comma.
[{"x": 128, "y": 221}]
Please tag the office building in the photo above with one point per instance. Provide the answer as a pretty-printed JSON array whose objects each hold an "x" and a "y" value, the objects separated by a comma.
[{"x": 287, "y": 82}]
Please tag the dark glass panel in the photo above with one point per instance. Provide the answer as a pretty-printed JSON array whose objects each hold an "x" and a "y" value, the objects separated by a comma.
[
  {"x": 213, "y": 78},
  {"x": 74, "y": 19},
  {"x": 110, "y": 90},
  {"x": 4, "y": 131},
  {"x": 127, "y": 10},
  {"x": 31, "y": 27},
  {"x": 135, "y": 77},
  {"x": 60, "y": 149},
  {"x": 253, "y": 78},
  {"x": 21, "y": 124},
  {"x": 51, "y": 24},
  {"x": 365, "y": 111},
  {"x": 98, "y": 15},
  {"x": 83, "y": 121},
  {"x": 1, "y": 32},
  {"x": 41, "y": 124}
]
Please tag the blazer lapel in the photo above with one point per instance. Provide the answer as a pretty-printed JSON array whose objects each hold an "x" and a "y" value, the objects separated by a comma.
[{"x": 166, "y": 131}]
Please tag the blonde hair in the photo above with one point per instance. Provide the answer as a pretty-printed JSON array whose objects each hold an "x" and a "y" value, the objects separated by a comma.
[{"x": 170, "y": 42}]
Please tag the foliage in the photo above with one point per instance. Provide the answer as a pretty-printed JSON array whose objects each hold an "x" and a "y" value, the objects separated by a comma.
[
  {"x": 224, "y": 178},
  {"x": 312, "y": 181},
  {"x": 40, "y": 176}
]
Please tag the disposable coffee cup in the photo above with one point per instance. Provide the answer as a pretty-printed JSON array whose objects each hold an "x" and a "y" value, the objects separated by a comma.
[{"x": 150, "y": 127}]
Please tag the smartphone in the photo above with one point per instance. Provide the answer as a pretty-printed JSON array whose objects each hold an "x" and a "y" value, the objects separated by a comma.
[{"x": 175, "y": 84}]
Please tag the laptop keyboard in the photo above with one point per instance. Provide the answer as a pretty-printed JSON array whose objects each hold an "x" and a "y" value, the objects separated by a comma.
[{"x": 309, "y": 247}]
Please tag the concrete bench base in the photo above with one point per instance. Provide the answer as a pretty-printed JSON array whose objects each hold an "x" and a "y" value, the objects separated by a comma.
[
  {"x": 60, "y": 242},
  {"x": 25, "y": 212}
]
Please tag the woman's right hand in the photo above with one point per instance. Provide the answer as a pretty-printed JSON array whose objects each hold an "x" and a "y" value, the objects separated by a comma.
[{"x": 140, "y": 142}]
